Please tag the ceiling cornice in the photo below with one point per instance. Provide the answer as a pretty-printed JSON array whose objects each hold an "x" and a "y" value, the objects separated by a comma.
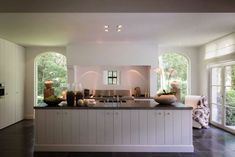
[{"x": 117, "y": 6}]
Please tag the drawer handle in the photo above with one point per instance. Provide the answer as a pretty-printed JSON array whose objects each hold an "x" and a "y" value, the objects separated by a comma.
[{"x": 167, "y": 113}]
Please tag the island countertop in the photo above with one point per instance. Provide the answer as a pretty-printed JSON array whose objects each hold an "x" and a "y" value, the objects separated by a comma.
[{"x": 133, "y": 105}]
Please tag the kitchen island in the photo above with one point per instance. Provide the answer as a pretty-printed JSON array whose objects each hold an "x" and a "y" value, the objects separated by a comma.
[{"x": 135, "y": 126}]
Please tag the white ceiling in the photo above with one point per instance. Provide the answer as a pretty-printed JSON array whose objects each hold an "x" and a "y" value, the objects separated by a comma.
[{"x": 60, "y": 29}]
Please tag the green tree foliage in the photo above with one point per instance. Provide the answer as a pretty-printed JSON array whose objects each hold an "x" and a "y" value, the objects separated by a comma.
[
  {"x": 180, "y": 64},
  {"x": 230, "y": 101},
  {"x": 51, "y": 66},
  {"x": 233, "y": 77}
]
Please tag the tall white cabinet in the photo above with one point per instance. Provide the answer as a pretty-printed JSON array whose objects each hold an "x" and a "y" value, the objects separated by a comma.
[{"x": 12, "y": 66}]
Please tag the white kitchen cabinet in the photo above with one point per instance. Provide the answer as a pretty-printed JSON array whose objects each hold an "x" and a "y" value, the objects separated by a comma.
[
  {"x": 75, "y": 124},
  {"x": 169, "y": 127},
  {"x": 100, "y": 126},
  {"x": 117, "y": 122},
  {"x": 143, "y": 124},
  {"x": 160, "y": 127},
  {"x": 52, "y": 123},
  {"x": 108, "y": 127},
  {"x": 135, "y": 137},
  {"x": 83, "y": 127},
  {"x": 40, "y": 126},
  {"x": 10, "y": 84},
  {"x": 66, "y": 127},
  {"x": 187, "y": 125},
  {"x": 165, "y": 127},
  {"x": 12, "y": 77},
  {"x": 177, "y": 126},
  {"x": 2, "y": 114},
  {"x": 92, "y": 126},
  {"x": 126, "y": 127},
  {"x": 113, "y": 130},
  {"x": 19, "y": 85}
]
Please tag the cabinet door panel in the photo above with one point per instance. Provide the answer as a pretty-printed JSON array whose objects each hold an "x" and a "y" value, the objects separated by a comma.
[
  {"x": 83, "y": 127},
  {"x": 135, "y": 136},
  {"x": 151, "y": 127},
  {"x": 168, "y": 127},
  {"x": 160, "y": 127},
  {"x": 75, "y": 116},
  {"x": 187, "y": 131},
  {"x": 108, "y": 131},
  {"x": 126, "y": 127},
  {"x": 92, "y": 126},
  {"x": 40, "y": 125},
  {"x": 143, "y": 126},
  {"x": 10, "y": 85},
  {"x": 57, "y": 126},
  {"x": 66, "y": 134},
  {"x": 50, "y": 123},
  {"x": 117, "y": 127},
  {"x": 100, "y": 126},
  {"x": 19, "y": 72},
  {"x": 177, "y": 126}
]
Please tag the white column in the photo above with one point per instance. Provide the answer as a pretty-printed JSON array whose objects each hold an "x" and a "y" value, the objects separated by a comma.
[{"x": 153, "y": 81}]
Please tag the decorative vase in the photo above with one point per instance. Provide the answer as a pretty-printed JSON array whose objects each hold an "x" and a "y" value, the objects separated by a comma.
[
  {"x": 78, "y": 96},
  {"x": 165, "y": 99},
  {"x": 70, "y": 98}
]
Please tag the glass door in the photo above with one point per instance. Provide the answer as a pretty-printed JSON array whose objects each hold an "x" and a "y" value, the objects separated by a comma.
[
  {"x": 230, "y": 96},
  {"x": 222, "y": 96},
  {"x": 216, "y": 95}
]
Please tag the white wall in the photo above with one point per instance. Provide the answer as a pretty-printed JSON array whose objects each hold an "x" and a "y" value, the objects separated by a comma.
[
  {"x": 31, "y": 54},
  {"x": 91, "y": 77},
  {"x": 111, "y": 55},
  {"x": 114, "y": 54},
  {"x": 193, "y": 54}
]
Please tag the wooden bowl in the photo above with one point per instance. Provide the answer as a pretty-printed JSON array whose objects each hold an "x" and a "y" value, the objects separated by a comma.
[{"x": 53, "y": 103}]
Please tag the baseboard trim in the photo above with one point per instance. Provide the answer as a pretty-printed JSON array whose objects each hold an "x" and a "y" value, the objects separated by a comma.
[
  {"x": 113, "y": 148},
  {"x": 29, "y": 116}
]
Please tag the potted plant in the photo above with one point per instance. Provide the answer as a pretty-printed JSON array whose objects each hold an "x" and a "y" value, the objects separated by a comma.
[{"x": 166, "y": 96}]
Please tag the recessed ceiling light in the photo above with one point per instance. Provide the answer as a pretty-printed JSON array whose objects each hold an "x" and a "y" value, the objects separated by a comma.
[
  {"x": 119, "y": 26},
  {"x": 106, "y": 30},
  {"x": 106, "y": 26},
  {"x": 119, "y": 30}
]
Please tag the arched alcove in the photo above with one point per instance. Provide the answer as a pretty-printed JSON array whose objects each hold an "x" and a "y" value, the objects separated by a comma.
[
  {"x": 50, "y": 66},
  {"x": 174, "y": 69}
]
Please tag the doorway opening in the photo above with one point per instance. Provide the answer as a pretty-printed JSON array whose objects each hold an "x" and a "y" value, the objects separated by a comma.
[{"x": 222, "y": 95}]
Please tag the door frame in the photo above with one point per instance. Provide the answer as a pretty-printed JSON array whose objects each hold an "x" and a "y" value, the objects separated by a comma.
[{"x": 222, "y": 65}]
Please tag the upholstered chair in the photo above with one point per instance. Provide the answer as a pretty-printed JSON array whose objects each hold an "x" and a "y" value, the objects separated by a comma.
[{"x": 201, "y": 111}]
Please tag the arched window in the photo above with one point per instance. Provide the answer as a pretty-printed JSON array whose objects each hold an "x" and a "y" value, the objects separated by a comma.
[
  {"x": 50, "y": 66},
  {"x": 173, "y": 70}
]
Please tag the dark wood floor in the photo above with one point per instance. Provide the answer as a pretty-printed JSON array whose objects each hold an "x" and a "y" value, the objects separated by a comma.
[{"x": 17, "y": 141}]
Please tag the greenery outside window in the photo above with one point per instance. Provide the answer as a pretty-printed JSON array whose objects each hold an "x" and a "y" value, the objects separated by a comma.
[
  {"x": 177, "y": 63},
  {"x": 50, "y": 66}
]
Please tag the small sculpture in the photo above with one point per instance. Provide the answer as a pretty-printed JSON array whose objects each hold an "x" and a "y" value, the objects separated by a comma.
[
  {"x": 48, "y": 89},
  {"x": 137, "y": 92},
  {"x": 175, "y": 87}
]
